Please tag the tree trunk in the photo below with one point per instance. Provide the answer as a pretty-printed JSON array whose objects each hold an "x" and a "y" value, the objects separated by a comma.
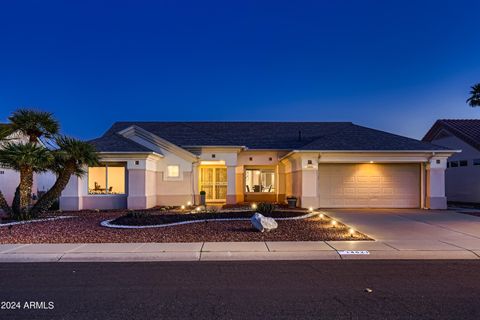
[
  {"x": 46, "y": 201},
  {"x": 4, "y": 205},
  {"x": 25, "y": 189}
]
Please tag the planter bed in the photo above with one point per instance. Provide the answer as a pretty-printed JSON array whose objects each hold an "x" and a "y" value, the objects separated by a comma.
[
  {"x": 86, "y": 228},
  {"x": 173, "y": 217}
]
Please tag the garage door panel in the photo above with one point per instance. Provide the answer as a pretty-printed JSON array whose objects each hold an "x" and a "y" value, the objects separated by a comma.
[{"x": 369, "y": 185}]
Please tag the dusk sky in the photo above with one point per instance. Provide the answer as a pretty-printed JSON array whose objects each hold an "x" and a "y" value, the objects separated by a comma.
[{"x": 391, "y": 65}]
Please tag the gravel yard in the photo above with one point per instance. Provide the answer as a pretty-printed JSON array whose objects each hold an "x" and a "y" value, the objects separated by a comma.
[{"x": 85, "y": 228}]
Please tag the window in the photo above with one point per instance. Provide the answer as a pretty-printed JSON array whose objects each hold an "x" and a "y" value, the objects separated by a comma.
[
  {"x": 107, "y": 179},
  {"x": 463, "y": 163},
  {"x": 259, "y": 180},
  {"x": 173, "y": 171},
  {"x": 453, "y": 164},
  {"x": 476, "y": 162}
]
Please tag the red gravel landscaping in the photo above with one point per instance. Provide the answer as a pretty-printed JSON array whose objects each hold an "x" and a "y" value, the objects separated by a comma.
[{"x": 85, "y": 228}]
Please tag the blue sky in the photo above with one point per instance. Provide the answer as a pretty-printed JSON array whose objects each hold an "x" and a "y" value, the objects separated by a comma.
[{"x": 391, "y": 65}]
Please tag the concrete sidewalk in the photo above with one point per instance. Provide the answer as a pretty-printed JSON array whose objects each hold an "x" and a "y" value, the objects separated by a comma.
[{"x": 229, "y": 251}]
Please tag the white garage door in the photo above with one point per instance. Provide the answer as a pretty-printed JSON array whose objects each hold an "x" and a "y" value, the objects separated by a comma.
[{"x": 369, "y": 185}]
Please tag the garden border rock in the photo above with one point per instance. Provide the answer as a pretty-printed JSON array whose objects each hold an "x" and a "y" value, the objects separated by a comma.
[
  {"x": 33, "y": 221},
  {"x": 108, "y": 224}
]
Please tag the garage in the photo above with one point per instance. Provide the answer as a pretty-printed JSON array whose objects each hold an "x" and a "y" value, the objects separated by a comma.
[{"x": 369, "y": 185}]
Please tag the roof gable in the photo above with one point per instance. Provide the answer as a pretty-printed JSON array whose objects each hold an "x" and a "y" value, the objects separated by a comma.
[{"x": 466, "y": 129}]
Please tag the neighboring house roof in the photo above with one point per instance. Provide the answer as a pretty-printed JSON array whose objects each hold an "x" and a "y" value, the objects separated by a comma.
[
  {"x": 263, "y": 135},
  {"x": 466, "y": 129}
]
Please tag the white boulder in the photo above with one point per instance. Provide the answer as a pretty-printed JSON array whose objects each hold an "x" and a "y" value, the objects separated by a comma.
[{"x": 262, "y": 223}]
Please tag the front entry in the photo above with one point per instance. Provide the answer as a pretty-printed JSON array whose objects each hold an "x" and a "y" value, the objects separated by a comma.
[{"x": 213, "y": 180}]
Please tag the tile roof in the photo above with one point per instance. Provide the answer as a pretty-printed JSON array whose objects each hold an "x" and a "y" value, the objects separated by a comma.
[
  {"x": 265, "y": 135},
  {"x": 117, "y": 143},
  {"x": 466, "y": 129}
]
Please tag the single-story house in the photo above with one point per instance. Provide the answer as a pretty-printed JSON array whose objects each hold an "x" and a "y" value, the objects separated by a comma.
[
  {"x": 322, "y": 164},
  {"x": 462, "y": 175}
]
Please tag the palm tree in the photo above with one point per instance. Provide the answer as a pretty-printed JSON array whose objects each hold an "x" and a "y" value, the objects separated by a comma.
[
  {"x": 70, "y": 159},
  {"x": 474, "y": 100},
  {"x": 35, "y": 125},
  {"x": 27, "y": 159},
  {"x": 32, "y": 123}
]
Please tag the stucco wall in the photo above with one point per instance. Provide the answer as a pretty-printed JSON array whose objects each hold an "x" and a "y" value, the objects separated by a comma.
[
  {"x": 462, "y": 183},
  {"x": 174, "y": 192}
]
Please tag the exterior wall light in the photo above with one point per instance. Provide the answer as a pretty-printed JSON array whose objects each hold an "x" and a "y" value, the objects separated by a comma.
[
  {"x": 199, "y": 209},
  {"x": 334, "y": 223},
  {"x": 321, "y": 215},
  {"x": 189, "y": 203},
  {"x": 310, "y": 209},
  {"x": 182, "y": 207},
  {"x": 254, "y": 206},
  {"x": 351, "y": 231}
]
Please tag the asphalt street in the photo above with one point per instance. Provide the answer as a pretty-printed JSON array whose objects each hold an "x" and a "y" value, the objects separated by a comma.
[{"x": 242, "y": 290}]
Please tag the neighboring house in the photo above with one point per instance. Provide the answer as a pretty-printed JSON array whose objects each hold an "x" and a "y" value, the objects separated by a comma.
[
  {"x": 9, "y": 179},
  {"x": 463, "y": 169},
  {"x": 323, "y": 164}
]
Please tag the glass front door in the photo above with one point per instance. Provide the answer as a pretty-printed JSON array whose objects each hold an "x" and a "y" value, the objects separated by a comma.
[{"x": 213, "y": 180}]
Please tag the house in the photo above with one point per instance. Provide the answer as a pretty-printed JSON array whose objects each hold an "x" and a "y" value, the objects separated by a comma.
[
  {"x": 463, "y": 169},
  {"x": 9, "y": 179},
  {"x": 322, "y": 164}
]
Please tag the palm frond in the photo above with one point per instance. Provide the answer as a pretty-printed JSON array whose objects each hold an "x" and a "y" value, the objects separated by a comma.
[
  {"x": 474, "y": 99},
  {"x": 25, "y": 155},
  {"x": 34, "y": 123}
]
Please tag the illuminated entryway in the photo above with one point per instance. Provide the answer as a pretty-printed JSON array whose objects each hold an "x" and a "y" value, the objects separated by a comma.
[{"x": 213, "y": 180}]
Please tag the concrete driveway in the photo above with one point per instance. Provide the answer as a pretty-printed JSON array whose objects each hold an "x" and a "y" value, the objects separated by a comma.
[{"x": 405, "y": 229}]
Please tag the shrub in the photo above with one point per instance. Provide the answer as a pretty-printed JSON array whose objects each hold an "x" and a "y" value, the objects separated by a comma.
[
  {"x": 212, "y": 210},
  {"x": 137, "y": 214},
  {"x": 265, "y": 208}
]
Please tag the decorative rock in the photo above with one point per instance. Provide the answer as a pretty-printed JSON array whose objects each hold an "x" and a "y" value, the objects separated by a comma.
[{"x": 262, "y": 223}]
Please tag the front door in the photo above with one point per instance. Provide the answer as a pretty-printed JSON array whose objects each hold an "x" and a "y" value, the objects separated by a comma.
[{"x": 213, "y": 180}]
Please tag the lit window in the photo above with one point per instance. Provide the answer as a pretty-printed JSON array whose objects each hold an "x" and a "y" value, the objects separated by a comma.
[
  {"x": 173, "y": 171},
  {"x": 259, "y": 180},
  {"x": 107, "y": 179},
  {"x": 476, "y": 162},
  {"x": 463, "y": 163}
]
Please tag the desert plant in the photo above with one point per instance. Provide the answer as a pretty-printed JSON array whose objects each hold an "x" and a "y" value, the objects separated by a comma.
[
  {"x": 32, "y": 123},
  {"x": 265, "y": 208},
  {"x": 70, "y": 159},
  {"x": 27, "y": 159}
]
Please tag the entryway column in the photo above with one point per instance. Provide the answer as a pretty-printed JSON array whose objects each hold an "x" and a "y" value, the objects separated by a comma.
[
  {"x": 231, "y": 185},
  {"x": 435, "y": 180},
  {"x": 309, "y": 182}
]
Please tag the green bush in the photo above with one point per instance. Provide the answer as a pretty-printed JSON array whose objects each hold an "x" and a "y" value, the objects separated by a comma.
[{"x": 265, "y": 208}]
